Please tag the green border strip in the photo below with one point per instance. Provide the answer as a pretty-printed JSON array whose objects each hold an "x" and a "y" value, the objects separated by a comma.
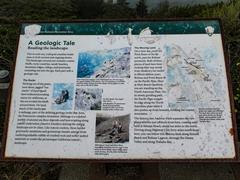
[{"x": 121, "y": 28}]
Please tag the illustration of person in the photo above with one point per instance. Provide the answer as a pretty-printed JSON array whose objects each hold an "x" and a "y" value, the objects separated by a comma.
[
  {"x": 61, "y": 96},
  {"x": 114, "y": 129},
  {"x": 65, "y": 96},
  {"x": 119, "y": 127}
]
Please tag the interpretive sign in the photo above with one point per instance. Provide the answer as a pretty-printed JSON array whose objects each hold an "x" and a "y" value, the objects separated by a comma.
[{"x": 135, "y": 90}]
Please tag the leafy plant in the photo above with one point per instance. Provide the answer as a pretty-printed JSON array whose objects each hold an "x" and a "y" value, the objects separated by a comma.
[{"x": 7, "y": 45}]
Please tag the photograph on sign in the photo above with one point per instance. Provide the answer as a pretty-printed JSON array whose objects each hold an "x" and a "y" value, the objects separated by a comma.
[
  {"x": 112, "y": 129},
  {"x": 104, "y": 64},
  {"x": 131, "y": 90},
  {"x": 88, "y": 99},
  {"x": 62, "y": 96}
]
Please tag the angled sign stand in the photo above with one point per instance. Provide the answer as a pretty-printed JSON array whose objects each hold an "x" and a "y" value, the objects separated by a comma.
[{"x": 152, "y": 90}]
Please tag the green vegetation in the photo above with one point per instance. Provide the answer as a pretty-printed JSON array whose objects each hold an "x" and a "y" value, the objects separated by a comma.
[
  {"x": 141, "y": 8},
  {"x": 119, "y": 10},
  {"x": 87, "y": 9},
  {"x": 32, "y": 171},
  {"x": 12, "y": 11}
]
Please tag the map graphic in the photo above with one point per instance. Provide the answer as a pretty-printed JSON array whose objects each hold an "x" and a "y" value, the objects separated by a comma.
[{"x": 192, "y": 77}]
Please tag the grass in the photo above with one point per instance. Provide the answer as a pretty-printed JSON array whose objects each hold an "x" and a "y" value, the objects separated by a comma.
[{"x": 32, "y": 171}]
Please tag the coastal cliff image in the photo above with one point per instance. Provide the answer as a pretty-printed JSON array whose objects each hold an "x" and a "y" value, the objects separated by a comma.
[{"x": 113, "y": 63}]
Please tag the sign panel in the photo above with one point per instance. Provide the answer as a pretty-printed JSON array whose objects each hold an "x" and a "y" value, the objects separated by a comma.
[{"x": 140, "y": 90}]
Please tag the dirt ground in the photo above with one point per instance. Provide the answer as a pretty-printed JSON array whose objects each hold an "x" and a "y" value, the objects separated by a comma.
[{"x": 158, "y": 171}]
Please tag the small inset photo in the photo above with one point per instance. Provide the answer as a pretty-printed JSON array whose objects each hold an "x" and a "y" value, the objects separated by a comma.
[
  {"x": 112, "y": 129},
  {"x": 62, "y": 97},
  {"x": 88, "y": 99}
]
